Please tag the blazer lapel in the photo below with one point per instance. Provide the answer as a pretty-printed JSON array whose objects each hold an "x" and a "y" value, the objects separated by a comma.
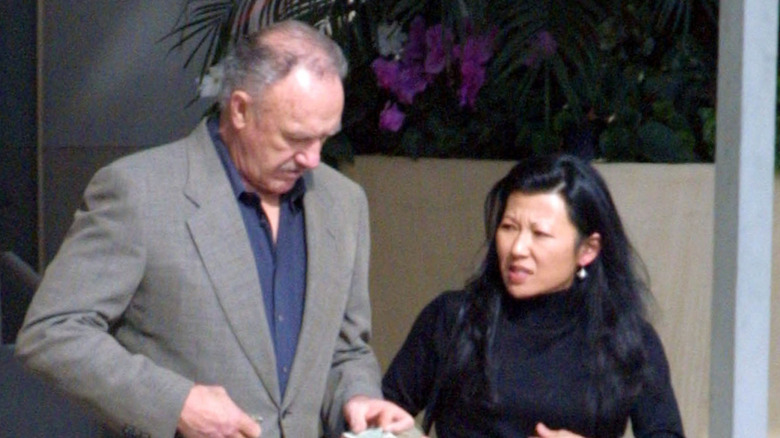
[
  {"x": 321, "y": 309},
  {"x": 220, "y": 236}
]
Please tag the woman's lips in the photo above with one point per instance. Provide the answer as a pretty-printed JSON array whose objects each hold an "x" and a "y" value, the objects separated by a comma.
[{"x": 519, "y": 274}]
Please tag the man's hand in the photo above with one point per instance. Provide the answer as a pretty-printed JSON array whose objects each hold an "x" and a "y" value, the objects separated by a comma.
[
  {"x": 545, "y": 432},
  {"x": 210, "y": 413},
  {"x": 361, "y": 411}
]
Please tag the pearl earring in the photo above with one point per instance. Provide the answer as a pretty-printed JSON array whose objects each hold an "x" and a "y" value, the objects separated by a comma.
[{"x": 582, "y": 273}]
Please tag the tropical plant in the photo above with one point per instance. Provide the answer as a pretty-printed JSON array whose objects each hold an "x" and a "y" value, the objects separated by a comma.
[{"x": 628, "y": 80}]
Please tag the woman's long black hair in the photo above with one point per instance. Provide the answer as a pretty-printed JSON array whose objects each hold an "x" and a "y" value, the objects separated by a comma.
[{"x": 613, "y": 294}]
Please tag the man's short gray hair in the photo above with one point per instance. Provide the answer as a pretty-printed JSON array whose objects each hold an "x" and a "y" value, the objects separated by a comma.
[{"x": 270, "y": 54}]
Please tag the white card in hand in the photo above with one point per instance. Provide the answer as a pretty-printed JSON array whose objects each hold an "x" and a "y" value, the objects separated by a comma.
[
  {"x": 370, "y": 433},
  {"x": 378, "y": 433}
]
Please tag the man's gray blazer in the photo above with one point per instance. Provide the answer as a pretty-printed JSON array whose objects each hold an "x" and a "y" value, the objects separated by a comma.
[{"x": 155, "y": 288}]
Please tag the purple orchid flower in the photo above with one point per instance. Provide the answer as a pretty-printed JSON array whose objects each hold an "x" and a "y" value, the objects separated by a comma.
[
  {"x": 414, "y": 50},
  {"x": 426, "y": 54},
  {"x": 546, "y": 44},
  {"x": 477, "y": 48},
  {"x": 543, "y": 47},
  {"x": 472, "y": 79},
  {"x": 473, "y": 56},
  {"x": 391, "y": 118},
  {"x": 411, "y": 81},
  {"x": 387, "y": 72},
  {"x": 438, "y": 40}
]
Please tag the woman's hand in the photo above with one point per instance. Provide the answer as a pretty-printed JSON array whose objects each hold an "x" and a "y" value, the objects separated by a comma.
[
  {"x": 543, "y": 431},
  {"x": 362, "y": 412}
]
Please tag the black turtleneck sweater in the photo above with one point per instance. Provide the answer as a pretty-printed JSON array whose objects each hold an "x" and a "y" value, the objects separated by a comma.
[{"x": 541, "y": 374}]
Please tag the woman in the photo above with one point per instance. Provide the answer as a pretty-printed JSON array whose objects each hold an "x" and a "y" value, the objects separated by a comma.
[{"x": 550, "y": 337}]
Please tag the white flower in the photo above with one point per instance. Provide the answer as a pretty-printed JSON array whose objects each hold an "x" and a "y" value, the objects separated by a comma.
[
  {"x": 210, "y": 84},
  {"x": 390, "y": 39}
]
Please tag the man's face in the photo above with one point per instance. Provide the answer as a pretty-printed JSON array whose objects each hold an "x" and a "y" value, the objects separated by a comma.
[{"x": 282, "y": 134}]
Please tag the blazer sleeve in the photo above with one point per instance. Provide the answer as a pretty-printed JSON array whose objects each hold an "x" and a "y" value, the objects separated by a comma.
[
  {"x": 67, "y": 334},
  {"x": 354, "y": 368}
]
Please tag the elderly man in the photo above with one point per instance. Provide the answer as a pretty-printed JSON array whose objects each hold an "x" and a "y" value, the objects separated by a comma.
[{"x": 221, "y": 281}]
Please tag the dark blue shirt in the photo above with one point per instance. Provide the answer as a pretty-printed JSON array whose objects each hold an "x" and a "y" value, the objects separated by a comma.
[{"x": 281, "y": 266}]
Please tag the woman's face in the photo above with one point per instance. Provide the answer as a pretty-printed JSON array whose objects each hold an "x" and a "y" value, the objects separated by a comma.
[{"x": 539, "y": 248}]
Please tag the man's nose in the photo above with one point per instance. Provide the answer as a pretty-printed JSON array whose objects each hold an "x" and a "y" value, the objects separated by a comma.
[{"x": 309, "y": 158}]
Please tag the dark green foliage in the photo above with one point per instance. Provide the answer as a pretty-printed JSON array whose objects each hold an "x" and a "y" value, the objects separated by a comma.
[{"x": 630, "y": 80}]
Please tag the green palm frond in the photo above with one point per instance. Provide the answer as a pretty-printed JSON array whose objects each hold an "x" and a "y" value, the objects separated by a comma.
[
  {"x": 574, "y": 28},
  {"x": 213, "y": 25},
  {"x": 205, "y": 21},
  {"x": 573, "y": 25},
  {"x": 680, "y": 14}
]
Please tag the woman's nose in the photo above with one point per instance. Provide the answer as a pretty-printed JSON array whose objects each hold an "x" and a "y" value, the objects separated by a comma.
[{"x": 521, "y": 244}]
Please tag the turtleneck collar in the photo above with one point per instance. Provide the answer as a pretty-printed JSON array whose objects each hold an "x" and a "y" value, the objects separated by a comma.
[{"x": 547, "y": 311}]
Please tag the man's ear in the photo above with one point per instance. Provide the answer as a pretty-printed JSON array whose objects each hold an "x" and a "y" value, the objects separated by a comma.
[
  {"x": 589, "y": 249},
  {"x": 240, "y": 109}
]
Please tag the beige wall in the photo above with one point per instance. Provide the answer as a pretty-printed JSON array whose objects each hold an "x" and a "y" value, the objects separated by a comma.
[{"x": 426, "y": 233}]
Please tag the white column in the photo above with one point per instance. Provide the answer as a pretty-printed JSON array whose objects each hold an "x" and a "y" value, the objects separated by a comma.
[{"x": 744, "y": 169}]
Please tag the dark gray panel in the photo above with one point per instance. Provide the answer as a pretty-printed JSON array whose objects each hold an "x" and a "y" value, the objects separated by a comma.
[
  {"x": 107, "y": 79},
  {"x": 18, "y": 189},
  {"x": 67, "y": 172},
  {"x": 31, "y": 408}
]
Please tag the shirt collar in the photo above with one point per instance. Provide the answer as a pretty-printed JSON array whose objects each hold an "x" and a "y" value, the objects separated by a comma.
[{"x": 294, "y": 196}]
